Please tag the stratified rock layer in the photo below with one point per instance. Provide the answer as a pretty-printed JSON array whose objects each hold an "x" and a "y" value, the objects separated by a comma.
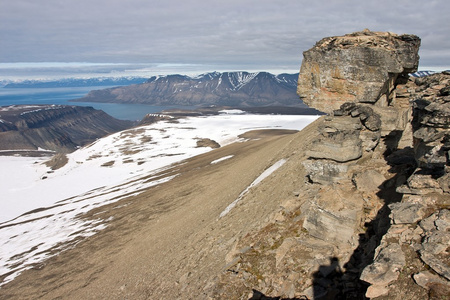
[
  {"x": 361, "y": 67},
  {"x": 60, "y": 128},
  {"x": 373, "y": 215}
]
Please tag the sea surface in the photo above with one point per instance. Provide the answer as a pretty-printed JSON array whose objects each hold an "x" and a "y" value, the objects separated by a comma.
[{"x": 62, "y": 95}]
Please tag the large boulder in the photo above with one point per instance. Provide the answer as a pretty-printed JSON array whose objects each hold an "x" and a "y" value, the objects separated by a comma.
[{"x": 361, "y": 67}]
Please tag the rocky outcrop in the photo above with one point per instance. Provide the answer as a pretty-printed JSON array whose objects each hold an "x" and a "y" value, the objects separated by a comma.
[
  {"x": 59, "y": 128},
  {"x": 153, "y": 118},
  {"x": 375, "y": 205},
  {"x": 420, "y": 222},
  {"x": 385, "y": 120},
  {"x": 241, "y": 89},
  {"x": 361, "y": 67},
  {"x": 377, "y": 118}
]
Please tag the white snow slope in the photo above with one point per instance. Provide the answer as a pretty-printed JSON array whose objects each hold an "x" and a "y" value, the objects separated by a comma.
[{"x": 40, "y": 208}]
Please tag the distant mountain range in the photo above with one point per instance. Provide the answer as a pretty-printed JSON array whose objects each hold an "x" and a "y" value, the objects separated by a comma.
[
  {"x": 422, "y": 73},
  {"x": 76, "y": 82},
  {"x": 425, "y": 73},
  {"x": 238, "y": 89}
]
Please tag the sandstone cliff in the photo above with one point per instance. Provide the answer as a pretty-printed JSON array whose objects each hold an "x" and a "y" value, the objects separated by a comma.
[
  {"x": 360, "y": 67},
  {"x": 372, "y": 220},
  {"x": 54, "y": 127}
]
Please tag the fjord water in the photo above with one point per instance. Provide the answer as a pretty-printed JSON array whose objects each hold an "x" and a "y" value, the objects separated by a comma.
[{"x": 62, "y": 95}]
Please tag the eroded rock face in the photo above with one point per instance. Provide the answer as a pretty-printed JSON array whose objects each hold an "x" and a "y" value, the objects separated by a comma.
[
  {"x": 361, "y": 67},
  {"x": 378, "y": 180},
  {"x": 377, "y": 115},
  {"x": 60, "y": 128},
  {"x": 431, "y": 135},
  {"x": 421, "y": 219}
]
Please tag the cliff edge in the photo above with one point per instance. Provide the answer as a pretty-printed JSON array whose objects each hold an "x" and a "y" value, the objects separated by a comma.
[
  {"x": 59, "y": 128},
  {"x": 372, "y": 217},
  {"x": 360, "y": 67}
]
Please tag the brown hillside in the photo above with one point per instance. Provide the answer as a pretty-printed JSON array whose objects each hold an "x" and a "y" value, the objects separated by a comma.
[{"x": 169, "y": 243}]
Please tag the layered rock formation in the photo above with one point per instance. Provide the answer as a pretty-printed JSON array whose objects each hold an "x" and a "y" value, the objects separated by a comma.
[
  {"x": 420, "y": 222},
  {"x": 383, "y": 120},
  {"x": 361, "y": 80},
  {"x": 361, "y": 67},
  {"x": 372, "y": 219},
  {"x": 59, "y": 128}
]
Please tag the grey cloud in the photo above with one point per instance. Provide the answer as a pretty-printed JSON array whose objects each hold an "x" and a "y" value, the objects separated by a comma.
[{"x": 230, "y": 33}]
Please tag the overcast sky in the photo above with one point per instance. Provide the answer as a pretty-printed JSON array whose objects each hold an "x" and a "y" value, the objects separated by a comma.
[{"x": 185, "y": 36}]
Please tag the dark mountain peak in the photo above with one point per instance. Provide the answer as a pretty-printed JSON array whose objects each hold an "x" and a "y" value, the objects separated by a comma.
[
  {"x": 173, "y": 77},
  {"x": 264, "y": 75}
]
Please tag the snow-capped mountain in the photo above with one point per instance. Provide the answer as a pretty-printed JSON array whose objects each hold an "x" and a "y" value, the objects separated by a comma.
[
  {"x": 227, "y": 89},
  {"x": 422, "y": 73}
]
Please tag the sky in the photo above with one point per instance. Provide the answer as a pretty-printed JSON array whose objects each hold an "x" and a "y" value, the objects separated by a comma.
[{"x": 149, "y": 37}]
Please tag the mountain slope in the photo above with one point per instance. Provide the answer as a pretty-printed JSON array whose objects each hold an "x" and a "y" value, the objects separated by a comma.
[
  {"x": 169, "y": 241},
  {"x": 222, "y": 89}
]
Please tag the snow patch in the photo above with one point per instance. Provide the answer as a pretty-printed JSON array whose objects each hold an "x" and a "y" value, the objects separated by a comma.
[
  {"x": 239, "y": 79},
  {"x": 221, "y": 159},
  {"x": 260, "y": 178},
  {"x": 32, "y": 237},
  {"x": 231, "y": 112},
  {"x": 42, "y": 209}
]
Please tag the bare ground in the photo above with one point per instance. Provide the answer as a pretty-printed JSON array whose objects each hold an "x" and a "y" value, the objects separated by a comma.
[{"x": 168, "y": 242}]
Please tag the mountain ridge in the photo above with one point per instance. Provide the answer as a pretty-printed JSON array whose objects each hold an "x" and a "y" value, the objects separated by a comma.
[
  {"x": 222, "y": 89},
  {"x": 60, "y": 128}
]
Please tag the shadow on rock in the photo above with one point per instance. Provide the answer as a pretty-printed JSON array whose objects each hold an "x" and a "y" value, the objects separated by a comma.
[
  {"x": 330, "y": 282},
  {"x": 260, "y": 296}
]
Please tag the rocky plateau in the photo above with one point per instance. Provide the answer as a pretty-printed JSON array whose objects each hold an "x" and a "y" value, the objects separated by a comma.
[{"x": 59, "y": 128}]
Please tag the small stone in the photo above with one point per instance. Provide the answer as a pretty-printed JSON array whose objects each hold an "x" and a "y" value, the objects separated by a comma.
[
  {"x": 444, "y": 182},
  {"x": 373, "y": 123},
  {"x": 426, "y": 279},
  {"x": 443, "y": 220},
  {"x": 406, "y": 213},
  {"x": 369, "y": 181},
  {"x": 386, "y": 266},
  {"x": 374, "y": 291},
  {"x": 436, "y": 264}
]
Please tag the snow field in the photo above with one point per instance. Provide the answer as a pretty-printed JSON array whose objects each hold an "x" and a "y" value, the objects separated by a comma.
[{"x": 40, "y": 209}]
